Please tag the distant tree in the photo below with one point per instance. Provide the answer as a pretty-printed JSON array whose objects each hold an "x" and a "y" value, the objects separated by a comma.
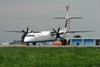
[{"x": 77, "y": 36}]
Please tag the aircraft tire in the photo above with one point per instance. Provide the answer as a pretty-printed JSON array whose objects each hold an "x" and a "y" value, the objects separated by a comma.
[
  {"x": 64, "y": 41},
  {"x": 34, "y": 43},
  {"x": 27, "y": 44}
]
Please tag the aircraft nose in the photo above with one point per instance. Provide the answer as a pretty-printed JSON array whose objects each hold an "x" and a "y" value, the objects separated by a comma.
[{"x": 28, "y": 39}]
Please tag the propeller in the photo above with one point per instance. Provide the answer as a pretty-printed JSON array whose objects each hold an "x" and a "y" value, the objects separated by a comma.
[
  {"x": 57, "y": 33},
  {"x": 24, "y": 33}
]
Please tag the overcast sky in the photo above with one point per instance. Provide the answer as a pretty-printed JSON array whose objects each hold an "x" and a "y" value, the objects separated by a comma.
[{"x": 39, "y": 14}]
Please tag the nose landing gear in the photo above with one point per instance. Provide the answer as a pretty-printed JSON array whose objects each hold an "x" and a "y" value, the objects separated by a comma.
[{"x": 30, "y": 43}]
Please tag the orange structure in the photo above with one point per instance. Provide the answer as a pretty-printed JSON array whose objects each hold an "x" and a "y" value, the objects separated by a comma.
[{"x": 57, "y": 43}]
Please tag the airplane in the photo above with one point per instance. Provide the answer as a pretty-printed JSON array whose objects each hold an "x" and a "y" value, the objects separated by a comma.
[{"x": 48, "y": 36}]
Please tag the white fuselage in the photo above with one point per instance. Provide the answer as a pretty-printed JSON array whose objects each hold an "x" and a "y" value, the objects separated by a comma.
[{"x": 44, "y": 36}]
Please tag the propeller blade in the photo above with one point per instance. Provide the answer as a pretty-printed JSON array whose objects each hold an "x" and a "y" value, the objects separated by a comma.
[
  {"x": 54, "y": 30},
  {"x": 22, "y": 38},
  {"x": 58, "y": 29},
  {"x": 56, "y": 38},
  {"x": 23, "y": 31},
  {"x": 27, "y": 29}
]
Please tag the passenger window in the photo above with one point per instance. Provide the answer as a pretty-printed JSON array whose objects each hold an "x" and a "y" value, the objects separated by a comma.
[{"x": 30, "y": 35}]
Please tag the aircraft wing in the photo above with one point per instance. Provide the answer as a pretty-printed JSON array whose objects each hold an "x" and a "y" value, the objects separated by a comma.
[
  {"x": 14, "y": 31},
  {"x": 20, "y": 31},
  {"x": 63, "y": 32},
  {"x": 79, "y": 31}
]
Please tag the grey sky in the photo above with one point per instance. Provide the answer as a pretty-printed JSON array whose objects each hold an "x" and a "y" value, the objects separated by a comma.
[{"x": 39, "y": 14}]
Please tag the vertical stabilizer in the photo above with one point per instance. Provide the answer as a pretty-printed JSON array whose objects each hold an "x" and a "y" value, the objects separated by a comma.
[
  {"x": 67, "y": 23},
  {"x": 68, "y": 18}
]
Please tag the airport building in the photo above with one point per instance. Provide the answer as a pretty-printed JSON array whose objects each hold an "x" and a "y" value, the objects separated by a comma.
[
  {"x": 5, "y": 43},
  {"x": 84, "y": 42}
]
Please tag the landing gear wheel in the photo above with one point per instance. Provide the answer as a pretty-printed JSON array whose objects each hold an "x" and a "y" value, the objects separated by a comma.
[
  {"x": 64, "y": 41},
  {"x": 34, "y": 43},
  {"x": 27, "y": 44}
]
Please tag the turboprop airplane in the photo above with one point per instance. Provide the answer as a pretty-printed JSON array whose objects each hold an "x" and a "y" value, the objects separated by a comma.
[{"x": 47, "y": 36}]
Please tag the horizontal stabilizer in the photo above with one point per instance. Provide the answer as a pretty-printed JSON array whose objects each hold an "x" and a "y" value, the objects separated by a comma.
[
  {"x": 60, "y": 18},
  {"x": 76, "y": 17},
  {"x": 68, "y": 18}
]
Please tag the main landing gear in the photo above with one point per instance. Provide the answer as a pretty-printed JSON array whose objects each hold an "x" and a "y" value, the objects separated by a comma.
[
  {"x": 31, "y": 43},
  {"x": 34, "y": 43},
  {"x": 64, "y": 41}
]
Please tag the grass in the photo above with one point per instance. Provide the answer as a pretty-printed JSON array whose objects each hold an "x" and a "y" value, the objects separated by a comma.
[{"x": 49, "y": 57}]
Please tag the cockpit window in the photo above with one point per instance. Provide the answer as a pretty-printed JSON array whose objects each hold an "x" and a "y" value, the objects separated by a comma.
[
  {"x": 35, "y": 32},
  {"x": 30, "y": 35}
]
